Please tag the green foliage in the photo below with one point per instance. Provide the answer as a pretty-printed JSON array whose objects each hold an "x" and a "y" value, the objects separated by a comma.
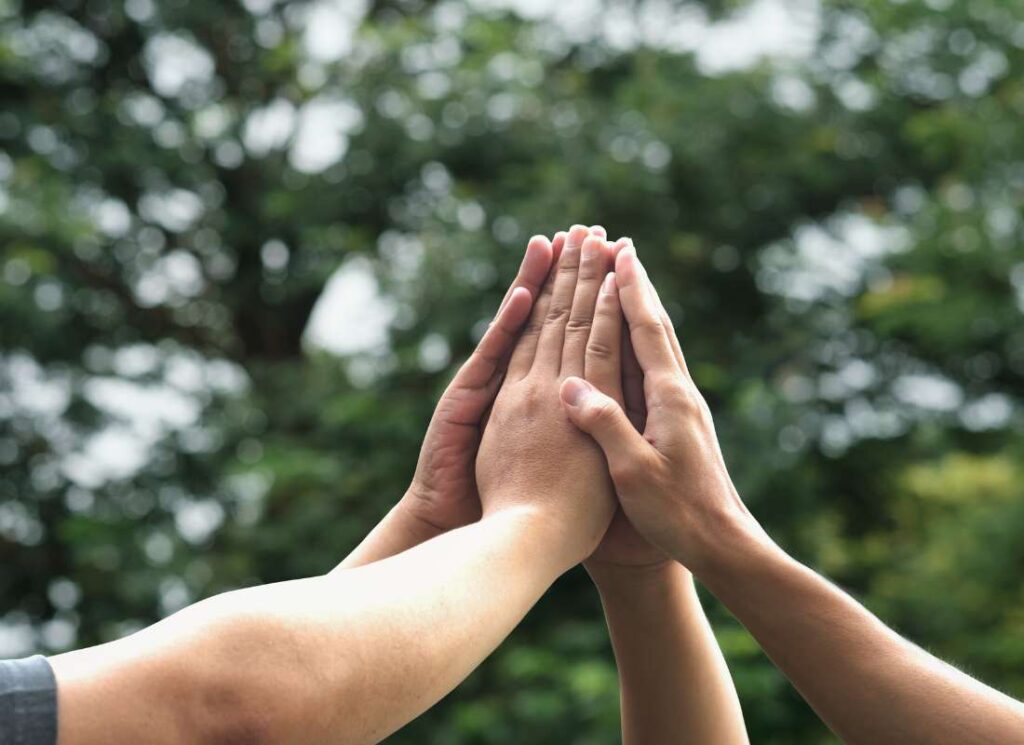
[{"x": 837, "y": 236}]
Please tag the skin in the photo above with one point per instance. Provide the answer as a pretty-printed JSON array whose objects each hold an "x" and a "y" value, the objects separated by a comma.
[
  {"x": 675, "y": 686},
  {"x": 866, "y": 682},
  {"x": 443, "y": 494},
  {"x": 351, "y": 656}
]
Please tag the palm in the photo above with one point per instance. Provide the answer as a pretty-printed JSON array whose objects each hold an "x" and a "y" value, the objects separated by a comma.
[
  {"x": 443, "y": 492},
  {"x": 445, "y": 482}
]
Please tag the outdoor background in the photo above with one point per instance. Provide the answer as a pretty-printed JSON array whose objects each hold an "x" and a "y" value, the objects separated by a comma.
[{"x": 244, "y": 245}]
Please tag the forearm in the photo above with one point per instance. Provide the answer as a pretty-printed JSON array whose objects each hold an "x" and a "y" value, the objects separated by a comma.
[
  {"x": 346, "y": 658},
  {"x": 675, "y": 686},
  {"x": 869, "y": 685},
  {"x": 398, "y": 531}
]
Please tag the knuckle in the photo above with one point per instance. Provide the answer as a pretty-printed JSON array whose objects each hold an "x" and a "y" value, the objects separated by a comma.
[
  {"x": 602, "y": 411},
  {"x": 650, "y": 325},
  {"x": 599, "y": 350},
  {"x": 557, "y": 314},
  {"x": 570, "y": 263},
  {"x": 533, "y": 327},
  {"x": 579, "y": 324}
]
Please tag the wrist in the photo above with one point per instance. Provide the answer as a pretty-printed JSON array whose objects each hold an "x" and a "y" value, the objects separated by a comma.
[
  {"x": 624, "y": 580},
  {"x": 730, "y": 543},
  {"x": 612, "y": 575},
  {"x": 546, "y": 533},
  {"x": 407, "y": 517}
]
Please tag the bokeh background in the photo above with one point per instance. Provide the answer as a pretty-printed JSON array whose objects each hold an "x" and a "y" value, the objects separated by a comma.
[{"x": 244, "y": 244}]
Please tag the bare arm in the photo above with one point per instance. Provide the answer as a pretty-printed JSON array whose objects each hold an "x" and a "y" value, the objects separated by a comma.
[
  {"x": 867, "y": 683},
  {"x": 675, "y": 686},
  {"x": 350, "y": 657},
  {"x": 346, "y": 658}
]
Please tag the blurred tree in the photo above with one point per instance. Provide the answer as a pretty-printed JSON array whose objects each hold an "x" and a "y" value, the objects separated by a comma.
[{"x": 836, "y": 228}]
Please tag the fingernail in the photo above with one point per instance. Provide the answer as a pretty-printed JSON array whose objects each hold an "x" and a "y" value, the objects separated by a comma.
[
  {"x": 574, "y": 390},
  {"x": 608, "y": 287}
]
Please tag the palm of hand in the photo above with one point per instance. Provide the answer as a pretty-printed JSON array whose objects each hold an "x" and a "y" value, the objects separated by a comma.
[{"x": 444, "y": 486}]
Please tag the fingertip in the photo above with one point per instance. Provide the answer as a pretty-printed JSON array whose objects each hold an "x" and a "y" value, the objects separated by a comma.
[
  {"x": 599, "y": 230},
  {"x": 538, "y": 242},
  {"x": 626, "y": 264},
  {"x": 577, "y": 234},
  {"x": 519, "y": 304},
  {"x": 557, "y": 243},
  {"x": 593, "y": 245},
  {"x": 573, "y": 390},
  {"x": 522, "y": 292},
  {"x": 619, "y": 245}
]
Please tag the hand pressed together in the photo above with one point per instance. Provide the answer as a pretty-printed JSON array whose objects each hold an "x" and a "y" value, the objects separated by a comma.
[{"x": 531, "y": 455}]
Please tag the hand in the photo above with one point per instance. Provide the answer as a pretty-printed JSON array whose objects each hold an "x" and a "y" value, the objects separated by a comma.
[
  {"x": 531, "y": 455},
  {"x": 443, "y": 493},
  {"x": 612, "y": 368},
  {"x": 671, "y": 481}
]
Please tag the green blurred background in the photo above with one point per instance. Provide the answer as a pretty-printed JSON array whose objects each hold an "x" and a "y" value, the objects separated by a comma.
[{"x": 245, "y": 244}]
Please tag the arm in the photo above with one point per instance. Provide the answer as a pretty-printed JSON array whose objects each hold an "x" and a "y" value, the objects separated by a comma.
[
  {"x": 350, "y": 657},
  {"x": 867, "y": 683},
  {"x": 346, "y": 658},
  {"x": 675, "y": 686},
  {"x": 674, "y": 683}
]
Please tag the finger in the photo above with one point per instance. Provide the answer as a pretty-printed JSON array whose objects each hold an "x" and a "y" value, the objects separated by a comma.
[
  {"x": 633, "y": 384},
  {"x": 647, "y": 332},
  {"x": 525, "y": 350},
  {"x": 557, "y": 243},
  {"x": 548, "y": 357},
  {"x": 488, "y": 357},
  {"x": 616, "y": 247},
  {"x": 599, "y": 231},
  {"x": 603, "y": 363},
  {"x": 670, "y": 330},
  {"x": 534, "y": 268},
  {"x": 603, "y": 419},
  {"x": 592, "y": 271}
]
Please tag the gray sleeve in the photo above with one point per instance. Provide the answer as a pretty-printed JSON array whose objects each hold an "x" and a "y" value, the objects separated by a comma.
[{"x": 28, "y": 702}]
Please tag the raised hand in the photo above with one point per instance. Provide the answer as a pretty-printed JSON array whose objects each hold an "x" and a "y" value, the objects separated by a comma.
[
  {"x": 611, "y": 367},
  {"x": 531, "y": 455},
  {"x": 443, "y": 493},
  {"x": 671, "y": 480}
]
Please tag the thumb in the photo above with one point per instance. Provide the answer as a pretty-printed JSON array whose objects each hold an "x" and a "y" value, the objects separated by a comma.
[{"x": 602, "y": 418}]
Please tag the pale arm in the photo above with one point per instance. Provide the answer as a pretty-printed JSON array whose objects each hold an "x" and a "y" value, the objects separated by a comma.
[{"x": 346, "y": 658}]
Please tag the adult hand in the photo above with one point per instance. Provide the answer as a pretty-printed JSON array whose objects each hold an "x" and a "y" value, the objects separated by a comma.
[
  {"x": 443, "y": 493},
  {"x": 612, "y": 368},
  {"x": 671, "y": 480},
  {"x": 531, "y": 455}
]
